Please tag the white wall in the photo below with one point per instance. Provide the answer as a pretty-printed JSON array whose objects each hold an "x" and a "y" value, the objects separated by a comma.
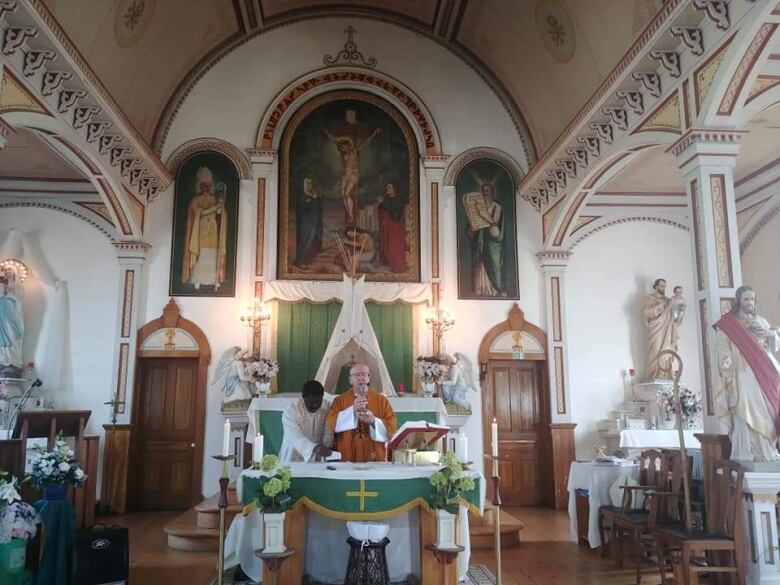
[
  {"x": 229, "y": 102},
  {"x": 84, "y": 258},
  {"x": 760, "y": 269},
  {"x": 608, "y": 277}
]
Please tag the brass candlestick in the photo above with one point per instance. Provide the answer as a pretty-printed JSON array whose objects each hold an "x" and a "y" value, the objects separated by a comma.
[
  {"x": 222, "y": 505},
  {"x": 496, "y": 501}
]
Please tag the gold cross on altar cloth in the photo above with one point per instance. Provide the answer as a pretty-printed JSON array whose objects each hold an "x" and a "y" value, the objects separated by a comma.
[{"x": 363, "y": 494}]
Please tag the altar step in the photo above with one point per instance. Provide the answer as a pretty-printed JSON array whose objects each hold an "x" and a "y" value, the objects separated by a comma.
[
  {"x": 482, "y": 531},
  {"x": 197, "y": 530}
]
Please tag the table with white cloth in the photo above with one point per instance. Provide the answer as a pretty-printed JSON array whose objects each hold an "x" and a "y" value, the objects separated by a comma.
[
  {"x": 596, "y": 479},
  {"x": 379, "y": 492},
  {"x": 268, "y": 411},
  {"x": 637, "y": 440}
]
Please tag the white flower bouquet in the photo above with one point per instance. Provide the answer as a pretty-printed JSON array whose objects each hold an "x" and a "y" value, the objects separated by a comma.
[
  {"x": 56, "y": 467},
  {"x": 17, "y": 518},
  {"x": 263, "y": 369},
  {"x": 430, "y": 369}
]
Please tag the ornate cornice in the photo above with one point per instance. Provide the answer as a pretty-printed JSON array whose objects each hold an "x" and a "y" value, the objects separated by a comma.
[
  {"x": 622, "y": 220},
  {"x": 233, "y": 153},
  {"x": 132, "y": 249},
  {"x": 61, "y": 209},
  {"x": 707, "y": 137},
  {"x": 558, "y": 258}
]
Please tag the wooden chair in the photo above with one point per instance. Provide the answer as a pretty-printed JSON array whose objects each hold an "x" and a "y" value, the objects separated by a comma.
[
  {"x": 652, "y": 474},
  {"x": 721, "y": 539}
]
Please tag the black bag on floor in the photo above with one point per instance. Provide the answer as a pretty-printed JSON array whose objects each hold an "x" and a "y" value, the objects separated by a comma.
[{"x": 101, "y": 556}]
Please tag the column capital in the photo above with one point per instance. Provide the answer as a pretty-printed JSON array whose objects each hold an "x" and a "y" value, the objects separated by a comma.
[
  {"x": 553, "y": 260},
  {"x": 707, "y": 146},
  {"x": 134, "y": 250},
  {"x": 434, "y": 161},
  {"x": 258, "y": 156}
]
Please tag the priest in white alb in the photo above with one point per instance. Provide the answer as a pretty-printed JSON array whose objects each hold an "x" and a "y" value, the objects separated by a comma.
[{"x": 306, "y": 437}]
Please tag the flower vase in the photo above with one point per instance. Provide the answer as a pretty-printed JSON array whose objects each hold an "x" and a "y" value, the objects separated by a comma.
[
  {"x": 13, "y": 556},
  {"x": 273, "y": 533},
  {"x": 667, "y": 423},
  {"x": 55, "y": 492},
  {"x": 445, "y": 530},
  {"x": 428, "y": 389},
  {"x": 263, "y": 389}
]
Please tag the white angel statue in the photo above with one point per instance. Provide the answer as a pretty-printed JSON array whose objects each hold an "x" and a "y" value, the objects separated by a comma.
[
  {"x": 458, "y": 381},
  {"x": 230, "y": 375}
]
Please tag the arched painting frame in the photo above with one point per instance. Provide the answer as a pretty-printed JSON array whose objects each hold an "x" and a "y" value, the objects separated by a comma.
[
  {"x": 338, "y": 154},
  {"x": 487, "y": 232},
  {"x": 205, "y": 227}
]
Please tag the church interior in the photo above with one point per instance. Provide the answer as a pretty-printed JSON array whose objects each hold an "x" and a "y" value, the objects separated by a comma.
[{"x": 404, "y": 291}]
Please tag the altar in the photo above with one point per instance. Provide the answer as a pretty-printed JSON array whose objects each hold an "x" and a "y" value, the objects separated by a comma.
[{"x": 324, "y": 499}]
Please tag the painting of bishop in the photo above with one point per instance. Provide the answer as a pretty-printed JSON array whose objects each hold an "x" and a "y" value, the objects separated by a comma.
[
  {"x": 349, "y": 194},
  {"x": 205, "y": 219}
]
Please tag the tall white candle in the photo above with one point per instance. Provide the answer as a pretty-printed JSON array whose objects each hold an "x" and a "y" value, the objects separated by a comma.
[
  {"x": 462, "y": 448},
  {"x": 494, "y": 437},
  {"x": 258, "y": 448},
  {"x": 226, "y": 439}
]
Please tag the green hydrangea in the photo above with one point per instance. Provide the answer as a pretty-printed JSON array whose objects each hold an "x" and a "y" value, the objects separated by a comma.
[
  {"x": 449, "y": 484},
  {"x": 438, "y": 479},
  {"x": 466, "y": 484},
  {"x": 273, "y": 487},
  {"x": 285, "y": 476},
  {"x": 268, "y": 462}
]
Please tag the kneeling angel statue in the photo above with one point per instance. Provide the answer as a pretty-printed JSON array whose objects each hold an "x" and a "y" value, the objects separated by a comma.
[
  {"x": 458, "y": 381},
  {"x": 230, "y": 375}
]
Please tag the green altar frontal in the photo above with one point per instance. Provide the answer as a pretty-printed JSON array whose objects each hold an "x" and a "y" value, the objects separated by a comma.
[{"x": 371, "y": 497}]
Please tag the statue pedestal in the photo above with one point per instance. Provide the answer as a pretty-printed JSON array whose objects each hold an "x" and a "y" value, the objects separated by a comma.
[{"x": 760, "y": 490}]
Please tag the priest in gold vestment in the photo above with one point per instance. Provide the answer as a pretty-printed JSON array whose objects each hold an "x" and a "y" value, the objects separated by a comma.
[{"x": 361, "y": 419}]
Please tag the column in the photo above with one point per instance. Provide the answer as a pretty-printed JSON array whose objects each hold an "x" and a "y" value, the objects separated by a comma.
[
  {"x": 706, "y": 159},
  {"x": 553, "y": 265},
  {"x": 430, "y": 267},
  {"x": 265, "y": 169},
  {"x": 131, "y": 257},
  {"x": 761, "y": 527}
]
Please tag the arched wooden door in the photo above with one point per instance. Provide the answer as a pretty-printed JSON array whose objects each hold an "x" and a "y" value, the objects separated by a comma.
[{"x": 169, "y": 411}]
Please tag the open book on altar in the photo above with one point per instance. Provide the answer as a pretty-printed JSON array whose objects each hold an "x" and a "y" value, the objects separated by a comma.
[{"x": 416, "y": 434}]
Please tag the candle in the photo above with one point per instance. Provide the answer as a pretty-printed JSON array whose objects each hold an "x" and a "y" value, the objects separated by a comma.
[
  {"x": 494, "y": 437},
  {"x": 226, "y": 439},
  {"x": 462, "y": 448},
  {"x": 257, "y": 453}
]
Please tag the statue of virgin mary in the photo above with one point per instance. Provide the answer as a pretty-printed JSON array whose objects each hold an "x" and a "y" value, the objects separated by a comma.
[{"x": 11, "y": 321}]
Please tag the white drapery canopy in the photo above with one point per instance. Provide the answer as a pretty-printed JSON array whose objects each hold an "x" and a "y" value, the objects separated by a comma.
[
  {"x": 50, "y": 347},
  {"x": 353, "y": 334}
]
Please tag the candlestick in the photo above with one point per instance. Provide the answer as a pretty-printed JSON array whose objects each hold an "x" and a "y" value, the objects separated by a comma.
[
  {"x": 226, "y": 439},
  {"x": 494, "y": 437},
  {"x": 222, "y": 505},
  {"x": 257, "y": 453}
]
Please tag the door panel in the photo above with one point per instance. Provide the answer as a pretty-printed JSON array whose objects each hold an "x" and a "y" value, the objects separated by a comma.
[
  {"x": 166, "y": 432},
  {"x": 515, "y": 398}
]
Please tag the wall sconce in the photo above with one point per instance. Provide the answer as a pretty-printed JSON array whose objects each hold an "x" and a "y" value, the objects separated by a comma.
[
  {"x": 255, "y": 314},
  {"x": 440, "y": 321}
]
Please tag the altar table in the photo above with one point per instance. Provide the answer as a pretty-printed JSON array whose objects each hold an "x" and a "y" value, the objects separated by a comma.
[
  {"x": 269, "y": 412},
  {"x": 637, "y": 440},
  {"x": 596, "y": 479},
  {"x": 383, "y": 492}
]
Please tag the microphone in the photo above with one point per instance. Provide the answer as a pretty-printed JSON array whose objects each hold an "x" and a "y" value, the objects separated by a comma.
[{"x": 37, "y": 382}]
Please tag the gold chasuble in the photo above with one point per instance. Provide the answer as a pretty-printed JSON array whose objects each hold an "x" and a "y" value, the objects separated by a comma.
[{"x": 362, "y": 442}]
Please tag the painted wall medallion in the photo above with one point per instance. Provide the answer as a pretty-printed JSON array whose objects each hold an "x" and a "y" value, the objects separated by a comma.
[
  {"x": 131, "y": 19},
  {"x": 205, "y": 225},
  {"x": 349, "y": 191},
  {"x": 556, "y": 29},
  {"x": 487, "y": 232}
]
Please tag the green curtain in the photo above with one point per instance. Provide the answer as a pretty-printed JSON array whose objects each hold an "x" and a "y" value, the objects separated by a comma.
[
  {"x": 303, "y": 332},
  {"x": 393, "y": 327}
]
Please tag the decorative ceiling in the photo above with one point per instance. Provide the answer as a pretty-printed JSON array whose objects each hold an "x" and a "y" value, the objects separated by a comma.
[{"x": 545, "y": 56}]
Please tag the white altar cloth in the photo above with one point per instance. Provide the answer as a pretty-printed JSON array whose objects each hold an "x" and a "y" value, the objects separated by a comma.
[
  {"x": 657, "y": 439},
  {"x": 596, "y": 479},
  {"x": 326, "y": 548}
]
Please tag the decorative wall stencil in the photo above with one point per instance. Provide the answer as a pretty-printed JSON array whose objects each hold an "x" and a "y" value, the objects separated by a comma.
[
  {"x": 582, "y": 221},
  {"x": 350, "y": 55},
  {"x": 744, "y": 68},
  {"x": 560, "y": 382},
  {"x": 131, "y": 19},
  {"x": 98, "y": 208},
  {"x": 573, "y": 209},
  {"x": 127, "y": 304},
  {"x": 14, "y": 97},
  {"x": 763, "y": 83},
  {"x": 665, "y": 118},
  {"x": 720, "y": 219},
  {"x": 349, "y": 187},
  {"x": 554, "y": 25},
  {"x": 555, "y": 285},
  {"x": 697, "y": 229},
  {"x": 487, "y": 232},
  {"x": 549, "y": 217},
  {"x": 705, "y": 325},
  {"x": 705, "y": 75},
  {"x": 205, "y": 227}
]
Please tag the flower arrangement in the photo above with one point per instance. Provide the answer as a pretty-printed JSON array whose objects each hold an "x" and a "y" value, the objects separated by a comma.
[
  {"x": 430, "y": 369},
  {"x": 690, "y": 405},
  {"x": 17, "y": 518},
  {"x": 263, "y": 369},
  {"x": 275, "y": 498},
  {"x": 56, "y": 467},
  {"x": 450, "y": 484}
]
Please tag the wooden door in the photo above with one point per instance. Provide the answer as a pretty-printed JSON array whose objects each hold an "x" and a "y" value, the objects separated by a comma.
[
  {"x": 515, "y": 396},
  {"x": 166, "y": 433}
]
